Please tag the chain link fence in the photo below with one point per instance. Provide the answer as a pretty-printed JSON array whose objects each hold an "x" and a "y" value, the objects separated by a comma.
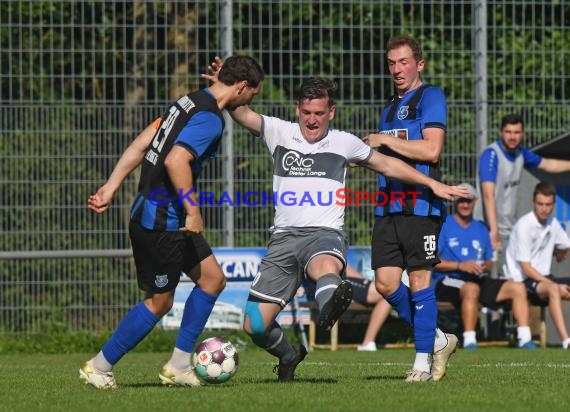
[{"x": 79, "y": 79}]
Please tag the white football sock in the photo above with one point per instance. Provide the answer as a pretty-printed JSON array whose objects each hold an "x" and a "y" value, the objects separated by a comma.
[
  {"x": 523, "y": 335},
  {"x": 469, "y": 337},
  {"x": 179, "y": 360},
  {"x": 566, "y": 343},
  {"x": 440, "y": 340},
  {"x": 421, "y": 362},
  {"x": 101, "y": 363}
]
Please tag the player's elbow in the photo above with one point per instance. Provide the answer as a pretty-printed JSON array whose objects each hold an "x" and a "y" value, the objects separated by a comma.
[{"x": 433, "y": 154}]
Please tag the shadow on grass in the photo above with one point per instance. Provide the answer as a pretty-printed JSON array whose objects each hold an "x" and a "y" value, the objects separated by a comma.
[{"x": 385, "y": 378}]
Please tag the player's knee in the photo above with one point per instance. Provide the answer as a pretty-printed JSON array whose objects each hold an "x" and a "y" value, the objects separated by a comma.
[
  {"x": 553, "y": 291},
  {"x": 160, "y": 303},
  {"x": 213, "y": 284}
]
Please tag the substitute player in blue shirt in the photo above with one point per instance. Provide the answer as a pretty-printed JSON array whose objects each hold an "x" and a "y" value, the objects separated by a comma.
[
  {"x": 166, "y": 225},
  {"x": 412, "y": 128},
  {"x": 499, "y": 173}
]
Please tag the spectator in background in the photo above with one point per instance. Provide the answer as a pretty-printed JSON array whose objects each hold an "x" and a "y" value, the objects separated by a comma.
[
  {"x": 536, "y": 237},
  {"x": 499, "y": 173},
  {"x": 365, "y": 293},
  {"x": 462, "y": 275}
]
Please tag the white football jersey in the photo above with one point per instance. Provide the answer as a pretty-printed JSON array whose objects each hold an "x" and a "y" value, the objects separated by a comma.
[{"x": 307, "y": 176}]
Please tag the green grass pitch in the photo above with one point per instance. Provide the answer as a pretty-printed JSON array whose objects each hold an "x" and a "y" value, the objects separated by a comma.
[{"x": 489, "y": 379}]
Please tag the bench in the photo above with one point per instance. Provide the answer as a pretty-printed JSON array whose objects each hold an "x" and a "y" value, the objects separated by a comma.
[
  {"x": 333, "y": 343},
  {"x": 333, "y": 340}
]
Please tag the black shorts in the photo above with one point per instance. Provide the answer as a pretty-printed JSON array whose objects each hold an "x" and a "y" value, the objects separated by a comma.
[
  {"x": 405, "y": 241},
  {"x": 359, "y": 289},
  {"x": 531, "y": 286},
  {"x": 161, "y": 257},
  {"x": 448, "y": 290}
]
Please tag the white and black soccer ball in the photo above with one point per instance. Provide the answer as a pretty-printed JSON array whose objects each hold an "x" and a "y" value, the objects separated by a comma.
[{"x": 215, "y": 360}]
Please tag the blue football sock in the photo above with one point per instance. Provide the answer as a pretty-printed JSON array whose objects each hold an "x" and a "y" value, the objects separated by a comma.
[
  {"x": 425, "y": 319},
  {"x": 197, "y": 309},
  {"x": 400, "y": 300},
  {"x": 132, "y": 329}
]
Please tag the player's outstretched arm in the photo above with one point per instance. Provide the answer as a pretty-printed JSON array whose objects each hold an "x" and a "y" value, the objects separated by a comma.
[
  {"x": 243, "y": 115},
  {"x": 130, "y": 159},
  {"x": 397, "y": 169}
]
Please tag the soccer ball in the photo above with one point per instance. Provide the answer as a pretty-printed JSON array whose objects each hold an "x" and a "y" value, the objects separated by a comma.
[{"x": 215, "y": 360}]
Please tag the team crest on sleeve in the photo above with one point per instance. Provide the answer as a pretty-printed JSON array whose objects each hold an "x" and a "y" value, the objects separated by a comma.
[
  {"x": 403, "y": 112},
  {"x": 161, "y": 281}
]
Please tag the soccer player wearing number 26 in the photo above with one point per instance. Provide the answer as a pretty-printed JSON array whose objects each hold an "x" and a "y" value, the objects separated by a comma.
[
  {"x": 308, "y": 238},
  {"x": 412, "y": 128},
  {"x": 166, "y": 225}
]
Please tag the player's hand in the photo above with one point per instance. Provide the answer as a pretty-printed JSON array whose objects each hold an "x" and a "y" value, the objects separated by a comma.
[
  {"x": 471, "y": 267},
  {"x": 448, "y": 192},
  {"x": 213, "y": 70},
  {"x": 100, "y": 201},
  {"x": 193, "y": 224},
  {"x": 374, "y": 139}
]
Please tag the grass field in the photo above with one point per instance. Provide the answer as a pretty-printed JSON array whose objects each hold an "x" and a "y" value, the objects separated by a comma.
[{"x": 489, "y": 379}]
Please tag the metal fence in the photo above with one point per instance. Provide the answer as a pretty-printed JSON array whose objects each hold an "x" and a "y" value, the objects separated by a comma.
[{"x": 79, "y": 79}]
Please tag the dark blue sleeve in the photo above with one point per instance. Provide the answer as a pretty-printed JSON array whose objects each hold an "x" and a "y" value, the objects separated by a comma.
[
  {"x": 531, "y": 159},
  {"x": 434, "y": 109},
  {"x": 198, "y": 134},
  {"x": 488, "y": 166}
]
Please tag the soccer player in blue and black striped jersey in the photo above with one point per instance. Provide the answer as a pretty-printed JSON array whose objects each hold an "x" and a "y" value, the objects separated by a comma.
[
  {"x": 166, "y": 225},
  {"x": 412, "y": 128}
]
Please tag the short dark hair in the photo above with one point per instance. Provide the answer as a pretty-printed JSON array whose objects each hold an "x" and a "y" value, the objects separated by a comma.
[
  {"x": 545, "y": 189},
  {"x": 511, "y": 118},
  {"x": 318, "y": 88},
  {"x": 403, "y": 40},
  {"x": 238, "y": 68}
]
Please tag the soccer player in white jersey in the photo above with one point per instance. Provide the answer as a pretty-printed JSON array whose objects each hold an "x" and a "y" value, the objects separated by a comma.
[
  {"x": 535, "y": 238},
  {"x": 309, "y": 165}
]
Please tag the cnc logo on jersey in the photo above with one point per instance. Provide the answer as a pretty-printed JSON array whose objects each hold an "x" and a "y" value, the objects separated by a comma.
[
  {"x": 298, "y": 140},
  {"x": 291, "y": 163},
  {"x": 161, "y": 281},
  {"x": 293, "y": 160},
  {"x": 401, "y": 134},
  {"x": 403, "y": 112}
]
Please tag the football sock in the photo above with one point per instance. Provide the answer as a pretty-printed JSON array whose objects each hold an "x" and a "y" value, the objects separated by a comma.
[
  {"x": 421, "y": 363},
  {"x": 425, "y": 319},
  {"x": 197, "y": 309},
  {"x": 400, "y": 300},
  {"x": 275, "y": 342},
  {"x": 440, "y": 340},
  {"x": 180, "y": 360},
  {"x": 566, "y": 343},
  {"x": 326, "y": 285},
  {"x": 132, "y": 329},
  {"x": 523, "y": 335},
  {"x": 101, "y": 364},
  {"x": 469, "y": 337}
]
